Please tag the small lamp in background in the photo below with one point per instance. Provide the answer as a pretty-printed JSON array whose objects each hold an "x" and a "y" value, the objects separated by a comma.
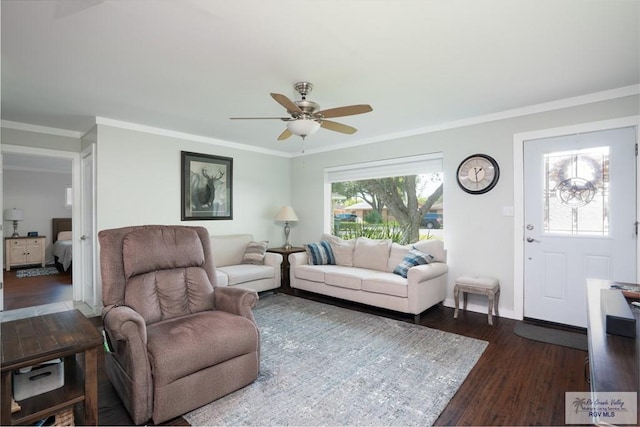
[
  {"x": 287, "y": 215},
  {"x": 14, "y": 215}
]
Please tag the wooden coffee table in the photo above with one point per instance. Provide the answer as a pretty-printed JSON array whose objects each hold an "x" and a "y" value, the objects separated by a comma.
[{"x": 35, "y": 340}]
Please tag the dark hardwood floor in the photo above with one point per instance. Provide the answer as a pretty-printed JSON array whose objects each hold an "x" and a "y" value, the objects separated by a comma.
[
  {"x": 39, "y": 290},
  {"x": 515, "y": 382}
]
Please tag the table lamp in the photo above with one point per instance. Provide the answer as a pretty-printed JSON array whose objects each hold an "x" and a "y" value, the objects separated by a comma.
[
  {"x": 14, "y": 215},
  {"x": 286, "y": 214}
]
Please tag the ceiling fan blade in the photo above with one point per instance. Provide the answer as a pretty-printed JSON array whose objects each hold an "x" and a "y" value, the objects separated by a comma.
[
  {"x": 260, "y": 118},
  {"x": 284, "y": 135},
  {"x": 286, "y": 103},
  {"x": 349, "y": 110},
  {"x": 338, "y": 127}
]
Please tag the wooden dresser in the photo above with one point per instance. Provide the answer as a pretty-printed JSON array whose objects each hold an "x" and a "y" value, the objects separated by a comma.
[{"x": 20, "y": 251}]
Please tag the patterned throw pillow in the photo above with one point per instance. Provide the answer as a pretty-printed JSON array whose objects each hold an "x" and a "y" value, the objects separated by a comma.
[
  {"x": 320, "y": 253},
  {"x": 254, "y": 254},
  {"x": 413, "y": 258}
]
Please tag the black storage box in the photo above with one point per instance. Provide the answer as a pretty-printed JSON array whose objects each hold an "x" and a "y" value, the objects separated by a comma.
[{"x": 618, "y": 317}]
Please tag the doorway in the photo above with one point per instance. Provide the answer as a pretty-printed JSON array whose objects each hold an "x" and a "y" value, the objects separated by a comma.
[
  {"x": 36, "y": 181},
  {"x": 579, "y": 210},
  {"x": 520, "y": 222}
]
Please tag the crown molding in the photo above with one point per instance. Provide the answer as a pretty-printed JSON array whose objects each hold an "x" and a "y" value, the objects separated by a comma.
[
  {"x": 507, "y": 114},
  {"x": 186, "y": 136},
  {"x": 40, "y": 129}
]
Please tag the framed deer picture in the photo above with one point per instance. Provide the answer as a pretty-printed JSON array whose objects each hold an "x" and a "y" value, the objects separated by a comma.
[{"x": 207, "y": 187}]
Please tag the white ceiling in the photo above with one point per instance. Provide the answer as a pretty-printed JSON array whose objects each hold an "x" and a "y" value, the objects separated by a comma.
[{"x": 189, "y": 65}]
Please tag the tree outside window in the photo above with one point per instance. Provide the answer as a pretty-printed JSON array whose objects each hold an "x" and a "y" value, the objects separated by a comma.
[{"x": 396, "y": 207}]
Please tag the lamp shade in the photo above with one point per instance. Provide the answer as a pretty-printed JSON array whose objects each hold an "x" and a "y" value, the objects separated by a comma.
[
  {"x": 303, "y": 127},
  {"x": 13, "y": 214},
  {"x": 287, "y": 214}
]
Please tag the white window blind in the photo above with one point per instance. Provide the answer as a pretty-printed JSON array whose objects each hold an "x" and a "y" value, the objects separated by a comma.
[{"x": 402, "y": 166}]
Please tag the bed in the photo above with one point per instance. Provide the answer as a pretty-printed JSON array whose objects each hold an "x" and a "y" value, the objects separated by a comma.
[{"x": 62, "y": 243}]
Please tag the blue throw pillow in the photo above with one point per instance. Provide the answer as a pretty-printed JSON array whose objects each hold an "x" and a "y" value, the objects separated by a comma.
[
  {"x": 320, "y": 253},
  {"x": 413, "y": 258}
]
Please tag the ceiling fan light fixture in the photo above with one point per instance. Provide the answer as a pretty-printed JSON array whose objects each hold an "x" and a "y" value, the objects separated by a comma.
[{"x": 303, "y": 127}]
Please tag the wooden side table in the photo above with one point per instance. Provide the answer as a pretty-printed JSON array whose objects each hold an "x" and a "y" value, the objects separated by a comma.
[
  {"x": 285, "y": 284},
  {"x": 34, "y": 340}
]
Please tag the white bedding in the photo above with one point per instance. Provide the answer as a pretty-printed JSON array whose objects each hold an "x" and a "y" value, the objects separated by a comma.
[{"x": 63, "y": 249}]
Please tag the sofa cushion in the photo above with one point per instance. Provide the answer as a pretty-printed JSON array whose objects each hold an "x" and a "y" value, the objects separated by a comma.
[
  {"x": 319, "y": 253},
  {"x": 254, "y": 253},
  {"x": 238, "y": 274},
  {"x": 396, "y": 255},
  {"x": 313, "y": 273},
  {"x": 221, "y": 278},
  {"x": 372, "y": 254},
  {"x": 347, "y": 277},
  {"x": 342, "y": 249},
  {"x": 411, "y": 259},
  {"x": 433, "y": 247},
  {"x": 387, "y": 284},
  {"x": 229, "y": 249}
]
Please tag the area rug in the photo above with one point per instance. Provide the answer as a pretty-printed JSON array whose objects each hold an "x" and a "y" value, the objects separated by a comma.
[
  {"x": 32, "y": 272},
  {"x": 325, "y": 365},
  {"x": 552, "y": 336}
]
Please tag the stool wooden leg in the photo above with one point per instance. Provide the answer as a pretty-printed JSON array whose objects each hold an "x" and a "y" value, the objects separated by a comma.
[
  {"x": 490, "y": 309},
  {"x": 456, "y": 299},
  {"x": 497, "y": 302},
  {"x": 464, "y": 299}
]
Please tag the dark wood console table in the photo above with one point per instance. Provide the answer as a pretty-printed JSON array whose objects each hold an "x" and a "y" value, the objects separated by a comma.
[
  {"x": 34, "y": 340},
  {"x": 613, "y": 360}
]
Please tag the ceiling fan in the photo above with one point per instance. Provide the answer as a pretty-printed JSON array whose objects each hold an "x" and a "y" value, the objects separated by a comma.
[{"x": 306, "y": 117}]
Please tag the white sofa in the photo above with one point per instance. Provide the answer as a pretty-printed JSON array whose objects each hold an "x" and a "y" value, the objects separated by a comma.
[
  {"x": 363, "y": 273},
  {"x": 228, "y": 253}
]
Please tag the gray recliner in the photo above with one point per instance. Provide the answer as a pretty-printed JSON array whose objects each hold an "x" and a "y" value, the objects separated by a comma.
[{"x": 178, "y": 341}]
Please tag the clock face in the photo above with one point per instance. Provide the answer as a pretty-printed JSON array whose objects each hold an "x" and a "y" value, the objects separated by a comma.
[{"x": 478, "y": 174}]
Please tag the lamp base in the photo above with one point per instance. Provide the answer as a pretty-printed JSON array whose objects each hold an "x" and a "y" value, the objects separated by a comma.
[
  {"x": 287, "y": 229},
  {"x": 15, "y": 229}
]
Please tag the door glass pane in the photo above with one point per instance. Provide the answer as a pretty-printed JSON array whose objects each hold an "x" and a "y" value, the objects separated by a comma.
[{"x": 576, "y": 192}]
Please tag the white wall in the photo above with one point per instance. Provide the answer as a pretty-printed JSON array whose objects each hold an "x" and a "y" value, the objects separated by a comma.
[
  {"x": 138, "y": 182},
  {"x": 41, "y": 195},
  {"x": 479, "y": 238}
]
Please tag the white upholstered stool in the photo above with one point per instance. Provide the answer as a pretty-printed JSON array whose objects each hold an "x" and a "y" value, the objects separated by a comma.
[{"x": 477, "y": 285}]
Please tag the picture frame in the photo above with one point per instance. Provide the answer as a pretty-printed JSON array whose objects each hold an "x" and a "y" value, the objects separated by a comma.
[{"x": 206, "y": 187}]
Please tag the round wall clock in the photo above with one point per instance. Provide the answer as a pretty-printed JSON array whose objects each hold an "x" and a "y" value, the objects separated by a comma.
[{"x": 478, "y": 174}]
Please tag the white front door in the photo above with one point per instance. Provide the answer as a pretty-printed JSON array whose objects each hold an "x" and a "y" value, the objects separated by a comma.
[{"x": 580, "y": 202}]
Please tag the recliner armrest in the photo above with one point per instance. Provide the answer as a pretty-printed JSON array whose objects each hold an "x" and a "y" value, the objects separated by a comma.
[
  {"x": 234, "y": 300},
  {"x": 115, "y": 316}
]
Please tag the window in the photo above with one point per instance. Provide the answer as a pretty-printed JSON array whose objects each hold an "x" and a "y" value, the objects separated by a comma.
[
  {"x": 398, "y": 198},
  {"x": 68, "y": 197},
  {"x": 576, "y": 192}
]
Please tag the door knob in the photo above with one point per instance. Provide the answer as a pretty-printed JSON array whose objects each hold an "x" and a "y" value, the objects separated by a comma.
[
  {"x": 83, "y": 237},
  {"x": 531, "y": 240}
]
